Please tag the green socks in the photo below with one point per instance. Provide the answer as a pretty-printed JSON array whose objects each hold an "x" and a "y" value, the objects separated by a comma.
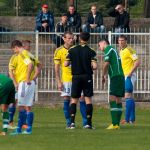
[
  {"x": 5, "y": 121},
  {"x": 116, "y": 112}
]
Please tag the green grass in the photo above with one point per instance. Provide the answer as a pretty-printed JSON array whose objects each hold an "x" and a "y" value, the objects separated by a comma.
[{"x": 49, "y": 133}]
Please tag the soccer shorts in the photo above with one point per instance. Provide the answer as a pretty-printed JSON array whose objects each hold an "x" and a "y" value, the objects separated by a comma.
[
  {"x": 117, "y": 86},
  {"x": 66, "y": 89},
  {"x": 82, "y": 83},
  {"x": 7, "y": 93},
  {"x": 129, "y": 83},
  {"x": 26, "y": 93}
]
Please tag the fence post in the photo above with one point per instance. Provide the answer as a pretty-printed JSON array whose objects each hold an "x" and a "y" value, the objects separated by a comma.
[
  {"x": 37, "y": 56},
  {"x": 110, "y": 41}
]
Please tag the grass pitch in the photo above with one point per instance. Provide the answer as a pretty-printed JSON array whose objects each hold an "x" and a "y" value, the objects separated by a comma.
[{"x": 49, "y": 133}]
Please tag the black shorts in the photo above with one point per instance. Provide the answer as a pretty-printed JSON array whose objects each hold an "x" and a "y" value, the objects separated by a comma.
[
  {"x": 82, "y": 83},
  {"x": 117, "y": 86}
]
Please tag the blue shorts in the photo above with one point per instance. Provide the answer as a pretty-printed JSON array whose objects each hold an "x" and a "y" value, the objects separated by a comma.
[{"x": 129, "y": 83}]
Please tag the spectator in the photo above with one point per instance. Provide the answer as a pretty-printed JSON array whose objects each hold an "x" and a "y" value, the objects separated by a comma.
[
  {"x": 74, "y": 19},
  {"x": 121, "y": 23},
  {"x": 61, "y": 27},
  {"x": 94, "y": 21},
  {"x": 45, "y": 20}
]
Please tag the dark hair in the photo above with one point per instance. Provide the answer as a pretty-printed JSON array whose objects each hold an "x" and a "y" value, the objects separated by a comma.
[
  {"x": 16, "y": 43},
  {"x": 72, "y": 6},
  {"x": 64, "y": 14},
  {"x": 123, "y": 37},
  {"x": 67, "y": 32},
  {"x": 106, "y": 40},
  {"x": 84, "y": 36}
]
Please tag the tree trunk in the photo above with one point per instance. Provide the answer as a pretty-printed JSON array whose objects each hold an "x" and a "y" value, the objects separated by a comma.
[{"x": 147, "y": 8}]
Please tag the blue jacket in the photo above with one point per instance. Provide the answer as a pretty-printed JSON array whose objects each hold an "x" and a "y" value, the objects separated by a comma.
[{"x": 48, "y": 18}]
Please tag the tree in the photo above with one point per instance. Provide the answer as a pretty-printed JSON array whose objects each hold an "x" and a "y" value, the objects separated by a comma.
[{"x": 147, "y": 9}]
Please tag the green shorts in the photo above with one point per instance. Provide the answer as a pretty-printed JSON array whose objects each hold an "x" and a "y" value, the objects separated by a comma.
[
  {"x": 117, "y": 86},
  {"x": 7, "y": 93}
]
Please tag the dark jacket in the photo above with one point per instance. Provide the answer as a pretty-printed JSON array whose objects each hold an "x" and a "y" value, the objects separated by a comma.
[
  {"x": 121, "y": 20},
  {"x": 97, "y": 20},
  {"x": 62, "y": 28},
  {"x": 48, "y": 18},
  {"x": 74, "y": 20}
]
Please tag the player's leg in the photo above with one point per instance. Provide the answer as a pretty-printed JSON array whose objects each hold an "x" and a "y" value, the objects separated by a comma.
[
  {"x": 75, "y": 94},
  {"x": 130, "y": 104},
  {"x": 83, "y": 110},
  {"x": 66, "y": 93},
  {"x": 88, "y": 93},
  {"x": 116, "y": 92},
  {"x": 29, "y": 98},
  {"x": 12, "y": 110},
  {"x": 5, "y": 118}
]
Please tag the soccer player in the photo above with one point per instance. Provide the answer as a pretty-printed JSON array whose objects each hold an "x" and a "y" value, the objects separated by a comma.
[
  {"x": 130, "y": 63},
  {"x": 22, "y": 71},
  {"x": 112, "y": 65},
  {"x": 65, "y": 81},
  {"x": 82, "y": 60},
  {"x": 7, "y": 96}
]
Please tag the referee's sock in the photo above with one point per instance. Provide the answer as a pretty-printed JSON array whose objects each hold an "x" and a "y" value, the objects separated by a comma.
[
  {"x": 89, "y": 112},
  {"x": 73, "y": 112},
  {"x": 66, "y": 110},
  {"x": 83, "y": 112}
]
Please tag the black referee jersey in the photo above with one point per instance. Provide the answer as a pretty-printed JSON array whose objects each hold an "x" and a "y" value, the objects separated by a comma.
[{"x": 81, "y": 57}]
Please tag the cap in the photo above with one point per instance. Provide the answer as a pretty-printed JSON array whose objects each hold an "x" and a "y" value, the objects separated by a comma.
[{"x": 44, "y": 6}]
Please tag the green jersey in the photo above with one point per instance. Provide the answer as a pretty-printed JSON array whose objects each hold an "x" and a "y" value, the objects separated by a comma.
[
  {"x": 115, "y": 67},
  {"x": 4, "y": 80}
]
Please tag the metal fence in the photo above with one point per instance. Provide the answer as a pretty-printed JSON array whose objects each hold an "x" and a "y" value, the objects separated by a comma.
[{"x": 44, "y": 45}]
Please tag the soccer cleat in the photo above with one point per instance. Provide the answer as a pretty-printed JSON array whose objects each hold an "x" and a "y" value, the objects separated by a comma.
[
  {"x": 88, "y": 127},
  {"x": 123, "y": 122},
  {"x": 113, "y": 127},
  {"x": 2, "y": 133},
  {"x": 15, "y": 133},
  {"x": 24, "y": 126},
  {"x": 27, "y": 132},
  {"x": 72, "y": 126},
  {"x": 131, "y": 122}
]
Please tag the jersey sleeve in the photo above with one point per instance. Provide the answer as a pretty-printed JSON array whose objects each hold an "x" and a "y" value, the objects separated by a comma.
[
  {"x": 57, "y": 57},
  {"x": 132, "y": 54},
  {"x": 13, "y": 62}
]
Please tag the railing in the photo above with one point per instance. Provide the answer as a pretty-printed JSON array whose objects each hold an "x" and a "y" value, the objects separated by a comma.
[{"x": 44, "y": 44}]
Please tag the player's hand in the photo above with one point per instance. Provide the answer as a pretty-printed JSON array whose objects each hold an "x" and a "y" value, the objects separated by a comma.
[
  {"x": 16, "y": 86},
  {"x": 130, "y": 74},
  {"x": 60, "y": 86},
  {"x": 44, "y": 25},
  {"x": 28, "y": 82}
]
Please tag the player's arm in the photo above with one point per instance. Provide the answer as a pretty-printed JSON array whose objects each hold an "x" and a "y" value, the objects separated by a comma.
[
  {"x": 134, "y": 57},
  {"x": 105, "y": 70},
  {"x": 29, "y": 71},
  {"x": 38, "y": 69},
  {"x": 57, "y": 75},
  {"x": 93, "y": 60},
  {"x": 135, "y": 66}
]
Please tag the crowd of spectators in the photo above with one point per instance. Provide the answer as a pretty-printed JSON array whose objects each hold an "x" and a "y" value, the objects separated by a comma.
[{"x": 71, "y": 20}]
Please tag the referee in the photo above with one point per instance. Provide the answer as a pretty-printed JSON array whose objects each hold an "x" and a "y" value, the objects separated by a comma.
[{"x": 83, "y": 61}]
